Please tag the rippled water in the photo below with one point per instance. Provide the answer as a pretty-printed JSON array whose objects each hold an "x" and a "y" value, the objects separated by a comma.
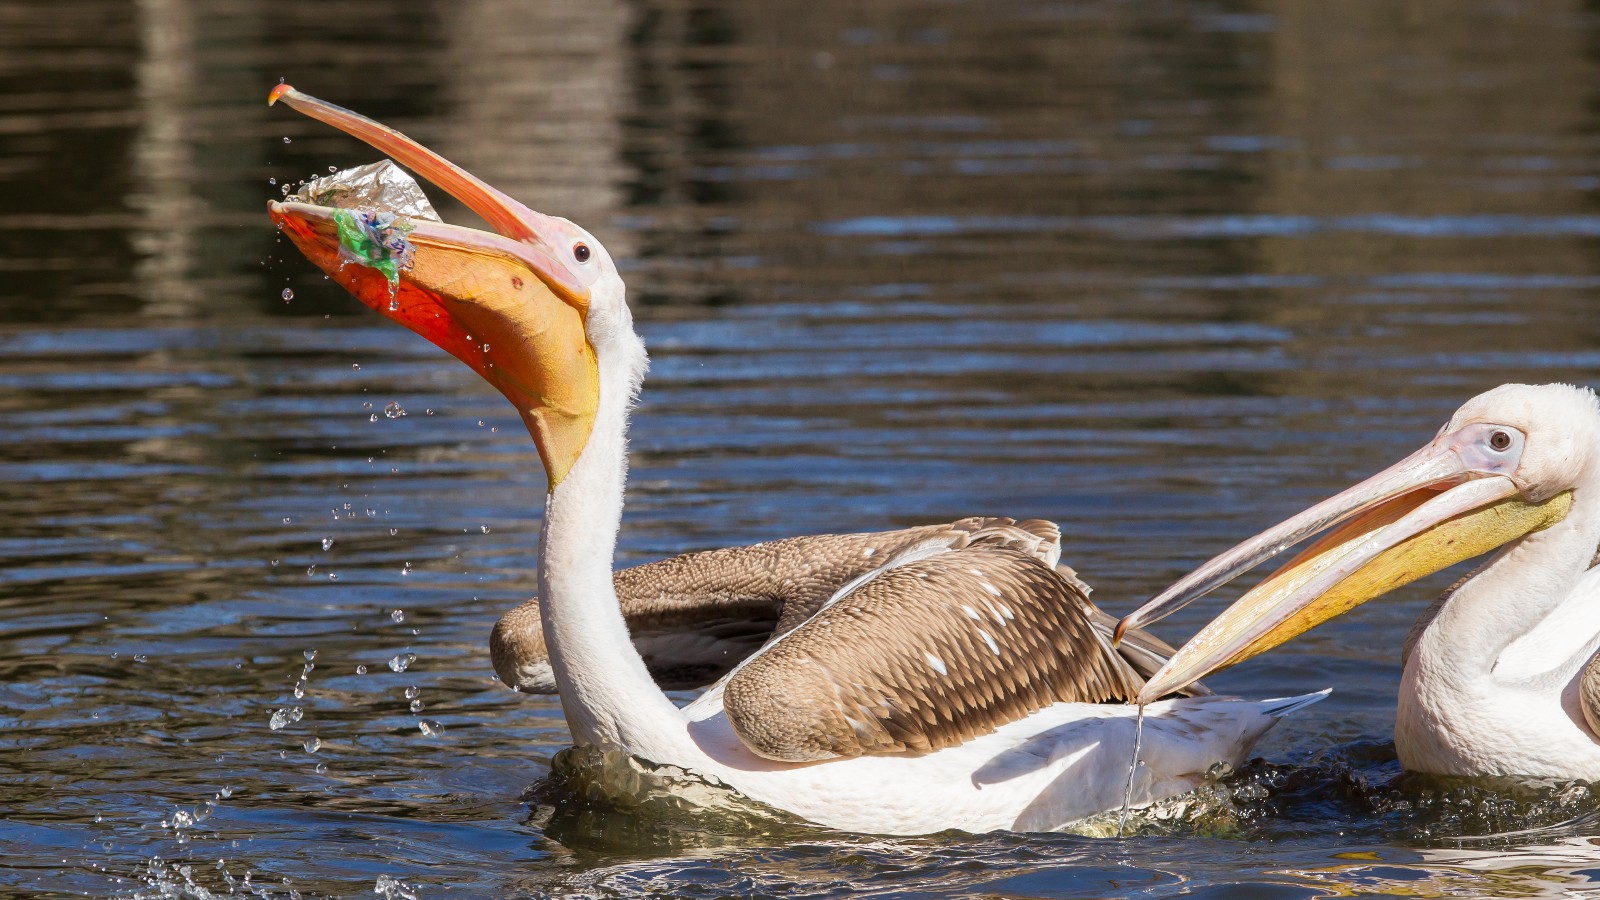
[{"x": 1163, "y": 272}]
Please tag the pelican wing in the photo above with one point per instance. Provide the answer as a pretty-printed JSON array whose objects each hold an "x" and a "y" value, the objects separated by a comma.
[
  {"x": 694, "y": 617},
  {"x": 926, "y": 655}
]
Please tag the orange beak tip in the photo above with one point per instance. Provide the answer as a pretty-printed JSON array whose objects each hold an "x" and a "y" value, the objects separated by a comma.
[{"x": 278, "y": 91}]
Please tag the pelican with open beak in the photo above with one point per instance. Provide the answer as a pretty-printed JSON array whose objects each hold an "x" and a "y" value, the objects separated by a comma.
[
  {"x": 1500, "y": 675},
  {"x": 952, "y": 677}
]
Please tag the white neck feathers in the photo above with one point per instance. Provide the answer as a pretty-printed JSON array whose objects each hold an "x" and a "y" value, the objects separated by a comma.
[{"x": 607, "y": 694}]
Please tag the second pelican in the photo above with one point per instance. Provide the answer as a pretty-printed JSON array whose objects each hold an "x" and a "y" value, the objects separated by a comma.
[{"x": 1500, "y": 674}]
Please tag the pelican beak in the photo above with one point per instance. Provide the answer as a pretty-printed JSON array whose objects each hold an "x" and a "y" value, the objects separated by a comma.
[
  {"x": 1423, "y": 514},
  {"x": 504, "y": 303}
]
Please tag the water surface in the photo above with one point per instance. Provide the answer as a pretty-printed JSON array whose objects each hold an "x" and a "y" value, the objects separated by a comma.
[{"x": 1161, "y": 272}]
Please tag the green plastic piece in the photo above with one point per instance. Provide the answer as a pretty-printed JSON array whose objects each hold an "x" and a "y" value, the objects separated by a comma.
[{"x": 376, "y": 242}]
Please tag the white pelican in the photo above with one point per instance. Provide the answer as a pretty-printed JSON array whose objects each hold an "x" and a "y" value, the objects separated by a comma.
[
  {"x": 1501, "y": 675},
  {"x": 937, "y": 690}
]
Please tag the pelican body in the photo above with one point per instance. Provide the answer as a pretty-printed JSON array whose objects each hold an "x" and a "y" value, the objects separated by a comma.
[
  {"x": 939, "y": 687},
  {"x": 1500, "y": 674}
]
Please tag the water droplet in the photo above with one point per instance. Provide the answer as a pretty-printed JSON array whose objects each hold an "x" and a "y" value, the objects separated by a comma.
[
  {"x": 399, "y": 615},
  {"x": 417, "y": 706},
  {"x": 311, "y": 570},
  {"x": 312, "y": 744},
  {"x": 430, "y": 727},
  {"x": 300, "y": 690},
  {"x": 361, "y": 669},
  {"x": 486, "y": 348},
  {"x": 402, "y": 662},
  {"x": 310, "y": 655},
  {"x": 285, "y": 717},
  {"x": 226, "y": 792},
  {"x": 366, "y": 404},
  {"x": 332, "y": 169},
  {"x": 286, "y": 520},
  {"x": 484, "y": 528},
  {"x": 355, "y": 367},
  {"x": 321, "y": 768},
  {"x": 272, "y": 181},
  {"x": 140, "y": 657},
  {"x": 394, "y": 410},
  {"x": 372, "y": 418},
  {"x": 427, "y": 412},
  {"x": 393, "y": 532},
  {"x": 284, "y": 189},
  {"x": 327, "y": 543},
  {"x": 405, "y": 569},
  {"x": 288, "y": 294},
  {"x": 413, "y": 692},
  {"x": 286, "y": 139},
  {"x": 333, "y": 576},
  {"x": 274, "y": 562}
]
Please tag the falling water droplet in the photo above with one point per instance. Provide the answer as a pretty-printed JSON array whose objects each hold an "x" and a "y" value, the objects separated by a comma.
[
  {"x": 355, "y": 367},
  {"x": 399, "y": 615},
  {"x": 417, "y": 706},
  {"x": 311, "y": 570},
  {"x": 312, "y": 744},
  {"x": 372, "y": 418},
  {"x": 333, "y": 576},
  {"x": 286, "y": 140},
  {"x": 430, "y": 727},
  {"x": 361, "y": 669},
  {"x": 484, "y": 528},
  {"x": 413, "y": 692},
  {"x": 394, "y": 410},
  {"x": 272, "y": 181},
  {"x": 327, "y": 543},
  {"x": 288, "y": 294},
  {"x": 285, "y": 717},
  {"x": 405, "y": 569},
  {"x": 332, "y": 169},
  {"x": 402, "y": 662},
  {"x": 310, "y": 655}
]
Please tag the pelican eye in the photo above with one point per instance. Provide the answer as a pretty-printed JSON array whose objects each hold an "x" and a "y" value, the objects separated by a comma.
[
  {"x": 1499, "y": 440},
  {"x": 580, "y": 252}
]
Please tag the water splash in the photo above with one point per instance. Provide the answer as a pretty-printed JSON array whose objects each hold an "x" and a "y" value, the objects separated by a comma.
[{"x": 1133, "y": 766}]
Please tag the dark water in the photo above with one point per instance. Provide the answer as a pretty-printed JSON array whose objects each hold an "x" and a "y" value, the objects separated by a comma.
[{"x": 1162, "y": 272}]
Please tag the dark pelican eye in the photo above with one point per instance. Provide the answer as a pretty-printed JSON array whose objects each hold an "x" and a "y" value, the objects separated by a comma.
[
  {"x": 580, "y": 252},
  {"x": 1499, "y": 440}
]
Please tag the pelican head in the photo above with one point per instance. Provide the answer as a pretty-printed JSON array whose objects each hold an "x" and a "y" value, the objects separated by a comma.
[
  {"x": 525, "y": 306},
  {"x": 1506, "y": 465}
]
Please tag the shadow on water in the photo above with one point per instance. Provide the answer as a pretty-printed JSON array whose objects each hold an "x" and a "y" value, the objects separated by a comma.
[{"x": 1164, "y": 272}]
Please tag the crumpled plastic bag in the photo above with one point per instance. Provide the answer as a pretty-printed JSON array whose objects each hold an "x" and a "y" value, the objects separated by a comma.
[{"x": 380, "y": 187}]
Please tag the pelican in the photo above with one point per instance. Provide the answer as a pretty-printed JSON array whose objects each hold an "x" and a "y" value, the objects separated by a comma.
[
  {"x": 936, "y": 690},
  {"x": 1500, "y": 675}
]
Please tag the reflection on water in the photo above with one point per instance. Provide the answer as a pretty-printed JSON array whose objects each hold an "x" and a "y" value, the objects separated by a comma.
[{"x": 1163, "y": 272}]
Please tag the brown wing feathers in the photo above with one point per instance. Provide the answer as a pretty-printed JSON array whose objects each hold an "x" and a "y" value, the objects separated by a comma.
[
  {"x": 682, "y": 611},
  {"x": 925, "y": 656}
]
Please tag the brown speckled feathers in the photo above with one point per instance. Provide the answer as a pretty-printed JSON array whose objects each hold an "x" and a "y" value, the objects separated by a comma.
[
  {"x": 694, "y": 617},
  {"x": 924, "y": 656}
]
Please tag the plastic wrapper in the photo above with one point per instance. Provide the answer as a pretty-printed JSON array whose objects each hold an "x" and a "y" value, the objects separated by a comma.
[
  {"x": 381, "y": 187},
  {"x": 375, "y": 205}
]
